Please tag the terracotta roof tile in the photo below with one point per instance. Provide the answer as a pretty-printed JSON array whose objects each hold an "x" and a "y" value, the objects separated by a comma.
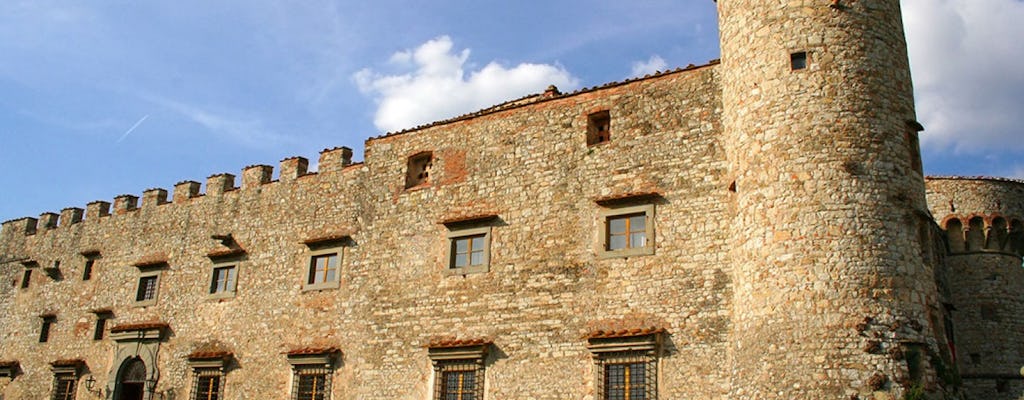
[
  {"x": 463, "y": 218},
  {"x": 73, "y": 362},
  {"x": 151, "y": 260},
  {"x": 637, "y": 195},
  {"x": 140, "y": 326},
  {"x": 305, "y": 351},
  {"x": 449, "y": 343},
  {"x": 224, "y": 252},
  {"x": 624, "y": 333},
  {"x": 329, "y": 236},
  {"x": 210, "y": 355}
]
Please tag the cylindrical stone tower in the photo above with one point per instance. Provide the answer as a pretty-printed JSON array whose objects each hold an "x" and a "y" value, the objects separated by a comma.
[{"x": 820, "y": 132}]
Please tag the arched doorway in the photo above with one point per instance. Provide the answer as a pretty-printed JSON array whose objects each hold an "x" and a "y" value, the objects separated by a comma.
[{"x": 131, "y": 380}]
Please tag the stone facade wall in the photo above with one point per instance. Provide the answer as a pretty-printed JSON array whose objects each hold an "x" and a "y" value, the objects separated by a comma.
[{"x": 545, "y": 291}]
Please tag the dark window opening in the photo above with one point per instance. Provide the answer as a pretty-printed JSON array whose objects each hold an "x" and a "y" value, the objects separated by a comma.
[
  {"x": 418, "y": 169},
  {"x": 26, "y": 279},
  {"x": 87, "y": 270},
  {"x": 44, "y": 330},
  {"x": 101, "y": 327},
  {"x": 798, "y": 60},
  {"x": 599, "y": 127}
]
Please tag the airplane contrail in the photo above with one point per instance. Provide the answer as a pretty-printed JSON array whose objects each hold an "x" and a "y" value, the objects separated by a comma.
[{"x": 132, "y": 128}]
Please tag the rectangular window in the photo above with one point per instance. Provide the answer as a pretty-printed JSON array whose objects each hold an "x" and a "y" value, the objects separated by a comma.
[
  {"x": 26, "y": 278},
  {"x": 470, "y": 250},
  {"x": 625, "y": 381},
  {"x": 208, "y": 384},
  {"x": 626, "y": 363},
  {"x": 147, "y": 291},
  {"x": 64, "y": 386},
  {"x": 627, "y": 231},
  {"x": 87, "y": 270},
  {"x": 101, "y": 325},
  {"x": 599, "y": 126},
  {"x": 323, "y": 268},
  {"x": 458, "y": 385},
  {"x": 417, "y": 169},
  {"x": 44, "y": 329},
  {"x": 312, "y": 383},
  {"x": 459, "y": 371},
  {"x": 223, "y": 280}
]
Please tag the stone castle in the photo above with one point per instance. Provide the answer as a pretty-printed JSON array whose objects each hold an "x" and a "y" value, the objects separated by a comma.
[{"x": 754, "y": 228}]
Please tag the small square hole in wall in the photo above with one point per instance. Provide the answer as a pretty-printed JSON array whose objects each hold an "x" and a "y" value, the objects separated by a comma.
[
  {"x": 599, "y": 127},
  {"x": 798, "y": 60},
  {"x": 418, "y": 169}
]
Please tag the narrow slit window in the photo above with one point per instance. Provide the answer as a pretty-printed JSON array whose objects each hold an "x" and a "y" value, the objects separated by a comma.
[
  {"x": 26, "y": 279},
  {"x": 44, "y": 330},
  {"x": 101, "y": 326},
  {"x": 87, "y": 270}
]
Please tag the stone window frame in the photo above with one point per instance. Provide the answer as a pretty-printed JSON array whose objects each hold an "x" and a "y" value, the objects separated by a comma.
[
  {"x": 643, "y": 349},
  {"x": 608, "y": 213},
  {"x": 318, "y": 364},
  {"x": 317, "y": 250},
  {"x": 456, "y": 233},
  {"x": 145, "y": 275},
  {"x": 65, "y": 383},
  {"x": 211, "y": 290},
  {"x": 459, "y": 359}
]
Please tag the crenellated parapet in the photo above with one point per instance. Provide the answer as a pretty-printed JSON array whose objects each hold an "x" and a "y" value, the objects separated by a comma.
[
  {"x": 217, "y": 185},
  {"x": 979, "y": 214}
]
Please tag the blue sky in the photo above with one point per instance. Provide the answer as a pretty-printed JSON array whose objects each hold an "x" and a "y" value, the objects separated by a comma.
[{"x": 108, "y": 97}]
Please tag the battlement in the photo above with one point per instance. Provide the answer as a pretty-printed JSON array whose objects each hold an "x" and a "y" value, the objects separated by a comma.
[
  {"x": 984, "y": 233},
  {"x": 253, "y": 176}
]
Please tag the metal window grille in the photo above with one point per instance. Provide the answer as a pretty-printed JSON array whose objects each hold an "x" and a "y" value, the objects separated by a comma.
[
  {"x": 64, "y": 386},
  {"x": 628, "y": 376},
  {"x": 312, "y": 383},
  {"x": 459, "y": 380},
  {"x": 147, "y": 288},
  {"x": 209, "y": 384}
]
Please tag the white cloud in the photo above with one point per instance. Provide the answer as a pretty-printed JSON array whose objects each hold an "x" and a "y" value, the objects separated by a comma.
[
  {"x": 965, "y": 56},
  {"x": 432, "y": 85},
  {"x": 652, "y": 65}
]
